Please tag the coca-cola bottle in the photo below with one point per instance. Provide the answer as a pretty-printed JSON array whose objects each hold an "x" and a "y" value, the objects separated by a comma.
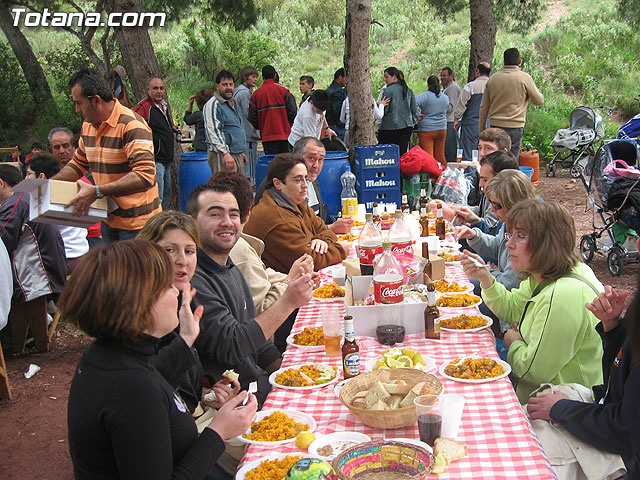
[
  {"x": 388, "y": 288},
  {"x": 369, "y": 245},
  {"x": 400, "y": 236},
  {"x": 387, "y": 277}
]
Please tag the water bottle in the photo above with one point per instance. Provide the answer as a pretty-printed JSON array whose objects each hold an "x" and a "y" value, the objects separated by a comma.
[{"x": 348, "y": 195}]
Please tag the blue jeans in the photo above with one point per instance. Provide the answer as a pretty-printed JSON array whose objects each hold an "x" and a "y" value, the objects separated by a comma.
[
  {"x": 163, "y": 178},
  {"x": 110, "y": 235}
]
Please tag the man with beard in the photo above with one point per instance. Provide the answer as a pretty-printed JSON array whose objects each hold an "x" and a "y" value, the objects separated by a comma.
[
  {"x": 231, "y": 334},
  {"x": 224, "y": 128}
]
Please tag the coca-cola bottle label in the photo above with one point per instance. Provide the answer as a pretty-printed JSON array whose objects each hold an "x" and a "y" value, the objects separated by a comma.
[
  {"x": 368, "y": 254},
  {"x": 388, "y": 292},
  {"x": 401, "y": 248}
]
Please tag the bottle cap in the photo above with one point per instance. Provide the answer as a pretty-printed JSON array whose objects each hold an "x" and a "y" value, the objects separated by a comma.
[
  {"x": 386, "y": 244},
  {"x": 398, "y": 214},
  {"x": 369, "y": 216}
]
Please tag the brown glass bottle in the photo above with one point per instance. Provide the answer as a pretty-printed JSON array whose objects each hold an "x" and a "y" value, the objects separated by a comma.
[
  {"x": 431, "y": 315},
  {"x": 350, "y": 350},
  {"x": 440, "y": 227},
  {"x": 376, "y": 214},
  {"x": 423, "y": 200},
  {"x": 424, "y": 222},
  {"x": 428, "y": 267},
  {"x": 405, "y": 203}
]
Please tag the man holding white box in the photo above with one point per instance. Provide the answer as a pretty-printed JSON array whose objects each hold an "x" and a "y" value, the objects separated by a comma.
[{"x": 117, "y": 146}]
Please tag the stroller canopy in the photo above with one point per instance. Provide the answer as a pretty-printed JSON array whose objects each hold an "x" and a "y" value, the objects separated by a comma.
[
  {"x": 585, "y": 127},
  {"x": 599, "y": 183},
  {"x": 630, "y": 129}
]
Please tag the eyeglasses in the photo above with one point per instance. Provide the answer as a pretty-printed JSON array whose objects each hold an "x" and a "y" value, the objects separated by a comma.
[
  {"x": 517, "y": 237},
  {"x": 496, "y": 205}
]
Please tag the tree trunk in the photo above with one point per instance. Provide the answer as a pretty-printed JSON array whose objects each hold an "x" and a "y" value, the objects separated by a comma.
[
  {"x": 138, "y": 55},
  {"x": 33, "y": 72},
  {"x": 483, "y": 34},
  {"x": 356, "y": 63}
]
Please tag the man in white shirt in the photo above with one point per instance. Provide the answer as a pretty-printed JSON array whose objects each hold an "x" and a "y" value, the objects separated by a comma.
[{"x": 310, "y": 118}]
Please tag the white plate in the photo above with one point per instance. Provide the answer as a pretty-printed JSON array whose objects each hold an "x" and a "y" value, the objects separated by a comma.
[
  {"x": 272, "y": 456},
  {"x": 296, "y": 415},
  {"x": 272, "y": 379},
  {"x": 338, "y": 386},
  {"x": 468, "y": 330},
  {"x": 429, "y": 364},
  {"x": 505, "y": 365},
  {"x": 328, "y": 300},
  {"x": 310, "y": 348},
  {"x": 412, "y": 441},
  {"x": 446, "y": 309},
  {"x": 332, "y": 438},
  {"x": 468, "y": 287}
]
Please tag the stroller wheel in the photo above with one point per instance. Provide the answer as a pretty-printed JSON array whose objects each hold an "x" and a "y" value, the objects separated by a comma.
[
  {"x": 576, "y": 170},
  {"x": 587, "y": 248},
  {"x": 616, "y": 260}
]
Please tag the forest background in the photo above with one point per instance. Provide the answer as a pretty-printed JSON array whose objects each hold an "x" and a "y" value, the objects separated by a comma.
[{"x": 579, "y": 52}]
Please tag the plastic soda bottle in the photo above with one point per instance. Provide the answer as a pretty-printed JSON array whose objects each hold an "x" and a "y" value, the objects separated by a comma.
[
  {"x": 388, "y": 277},
  {"x": 369, "y": 245},
  {"x": 348, "y": 195},
  {"x": 400, "y": 236}
]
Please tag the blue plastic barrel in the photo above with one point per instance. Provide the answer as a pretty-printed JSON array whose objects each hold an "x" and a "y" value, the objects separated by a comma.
[
  {"x": 335, "y": 164},
  {"x": 262, "y": 165},
  {"x": 193, "y": 171},
  {"x": 528, "y": 171}
]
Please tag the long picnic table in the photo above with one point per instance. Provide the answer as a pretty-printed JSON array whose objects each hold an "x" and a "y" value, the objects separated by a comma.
[{"x": 500, "y": 442}]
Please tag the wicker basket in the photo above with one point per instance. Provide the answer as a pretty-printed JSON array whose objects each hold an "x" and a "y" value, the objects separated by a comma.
[
  {"x": 398, "y": 418},
  {"x": 384, "y": 460}
]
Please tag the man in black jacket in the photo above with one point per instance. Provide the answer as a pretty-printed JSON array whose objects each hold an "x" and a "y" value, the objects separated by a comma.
[{"x": 156, "y": 111}]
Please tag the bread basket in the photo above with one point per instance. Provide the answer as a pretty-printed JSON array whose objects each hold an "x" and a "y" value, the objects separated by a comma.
[
  {"x": 398, "y": 418},
  {"x": 382, "y": 460}
]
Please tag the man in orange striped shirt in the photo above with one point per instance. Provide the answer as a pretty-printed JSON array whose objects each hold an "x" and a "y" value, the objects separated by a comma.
[{"x": 117, "y": 146}]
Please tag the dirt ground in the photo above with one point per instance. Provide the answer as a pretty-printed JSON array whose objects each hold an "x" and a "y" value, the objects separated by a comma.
[{"x": 33, "y": 431}]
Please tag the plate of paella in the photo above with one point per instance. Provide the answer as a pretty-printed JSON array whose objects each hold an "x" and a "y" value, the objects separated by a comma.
[
  {"x": 304, "y": 377},
  {"x": 277, "y": 427}
]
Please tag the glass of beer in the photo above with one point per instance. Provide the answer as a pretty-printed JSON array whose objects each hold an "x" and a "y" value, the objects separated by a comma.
[
  {"x": 331, "y": 332},
  {"x": 459, "y": 155}
]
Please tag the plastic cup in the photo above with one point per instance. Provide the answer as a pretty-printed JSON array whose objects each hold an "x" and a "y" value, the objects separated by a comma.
[
  {"x": 459, "y": 155},
  {"x": 339, "y": 272},
  {"x": 433, "y": 243},
  {"x": 331, "y": 331},
  {"x": 474, "y": 156},
  {"x": 452, "y": 407},
  {"x": 429, "y": 411},
  {"x": 362, "y": 212}
]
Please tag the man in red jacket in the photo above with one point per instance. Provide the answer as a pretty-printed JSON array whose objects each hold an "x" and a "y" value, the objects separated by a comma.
[{"x": 272, "y": 110}]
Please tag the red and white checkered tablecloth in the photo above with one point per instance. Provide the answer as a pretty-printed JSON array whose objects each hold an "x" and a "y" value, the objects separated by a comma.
[{"x": 498, "y": 436}]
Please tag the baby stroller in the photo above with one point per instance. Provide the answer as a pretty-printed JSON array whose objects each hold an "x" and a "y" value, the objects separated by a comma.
[
  {"x": 575, "y": 145},
  {"x": 616, "y": 200},
  {"x": 630, "y": 129}
]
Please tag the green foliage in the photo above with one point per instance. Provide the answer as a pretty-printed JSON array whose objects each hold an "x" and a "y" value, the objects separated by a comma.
[
  {"x": 61, "y": 64},
  {"x": 315, "y": 13},
  {"x": 16, "y": 109},
  {"x": 240, "y": 14},
  {"x": 629, "y": 9},
  {"x": 211, "y": 48}
]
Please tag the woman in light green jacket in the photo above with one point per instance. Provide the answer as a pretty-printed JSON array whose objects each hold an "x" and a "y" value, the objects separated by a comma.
[{"x": 552, "y": 338}]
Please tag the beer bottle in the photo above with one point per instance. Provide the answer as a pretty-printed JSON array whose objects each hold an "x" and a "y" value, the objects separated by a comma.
[
  {"x": 440, "y": 227},
  {"x": 405, "y": 203},
  {"x": 376, "y": 215},
  {"x": 350, "y": 350},
  {"x": 423, "y": 199},
  {"x": 431, "y": 315},
  {"x": 428, "y": 267},
  {"x": 424, "y": 222}
]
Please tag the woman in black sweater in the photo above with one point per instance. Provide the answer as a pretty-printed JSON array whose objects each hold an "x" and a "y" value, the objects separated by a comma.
[{"x": 124, "y": 419}]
